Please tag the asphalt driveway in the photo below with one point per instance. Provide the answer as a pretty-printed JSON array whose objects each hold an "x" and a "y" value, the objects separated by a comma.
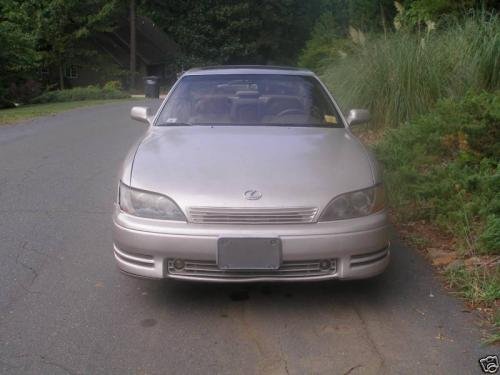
[{"x": 65, "y": 308}]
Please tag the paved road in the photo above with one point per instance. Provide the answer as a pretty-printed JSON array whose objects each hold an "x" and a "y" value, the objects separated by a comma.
[{"x": 65, "y": 308}]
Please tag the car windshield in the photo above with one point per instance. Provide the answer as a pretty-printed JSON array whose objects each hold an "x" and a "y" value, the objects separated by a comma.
[{"x": 249, "y": 99}]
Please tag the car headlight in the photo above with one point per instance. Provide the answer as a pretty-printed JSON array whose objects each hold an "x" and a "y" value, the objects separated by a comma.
[
  {"x": 147, "y": 204},
  {"x": 355, "y": 204}
]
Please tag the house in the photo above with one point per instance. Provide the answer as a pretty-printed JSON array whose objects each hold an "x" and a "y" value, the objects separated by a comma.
[{"x": 156, "y": 54}]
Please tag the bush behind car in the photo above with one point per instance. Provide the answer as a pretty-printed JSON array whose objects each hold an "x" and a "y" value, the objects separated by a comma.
[{"x": 111, "y": 90}]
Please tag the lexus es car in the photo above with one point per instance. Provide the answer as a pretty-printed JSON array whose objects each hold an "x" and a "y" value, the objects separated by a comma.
[{"x": 250, "y": 173}]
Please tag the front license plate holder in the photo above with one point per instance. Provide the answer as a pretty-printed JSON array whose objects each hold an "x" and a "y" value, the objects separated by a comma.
[{"x": 249, "y": 253}]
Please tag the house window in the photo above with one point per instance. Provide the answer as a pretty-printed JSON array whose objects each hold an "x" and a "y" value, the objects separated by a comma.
[
  {"x": 44, "y": 71},
  {"x": 71, "y": 71}
]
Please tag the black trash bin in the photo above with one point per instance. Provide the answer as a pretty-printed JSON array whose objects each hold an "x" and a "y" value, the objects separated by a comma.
[{"x": 152, "y": 86}]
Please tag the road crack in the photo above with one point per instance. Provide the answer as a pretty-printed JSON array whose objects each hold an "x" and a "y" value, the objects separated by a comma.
[
  {"x": 272, "y": 357},
  {"x": 370, "y": 340},
  {"x": 24, "y": 265},
  {"x": 34, "y": 272},
  {"x": 352, "y": 369},
  {"x": 283, "y": 356}
]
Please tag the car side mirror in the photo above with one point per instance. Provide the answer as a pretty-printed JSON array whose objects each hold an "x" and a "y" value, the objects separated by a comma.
[
  {"x": 141, "y": 114},
  {"x": 358, "y": 116}
]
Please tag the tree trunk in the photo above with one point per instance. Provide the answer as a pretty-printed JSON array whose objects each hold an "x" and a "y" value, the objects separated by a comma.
[
  {"x": 61, "y": 75},
  {"x": 132, "y": 45},
  {"x": 382, "y": 15}
]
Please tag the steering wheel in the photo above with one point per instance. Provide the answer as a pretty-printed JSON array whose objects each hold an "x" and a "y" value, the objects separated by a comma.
[{"x": 291, "y": 111}]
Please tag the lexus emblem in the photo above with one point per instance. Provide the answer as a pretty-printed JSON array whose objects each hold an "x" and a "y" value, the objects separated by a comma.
[{"x": 252, "y": 195}]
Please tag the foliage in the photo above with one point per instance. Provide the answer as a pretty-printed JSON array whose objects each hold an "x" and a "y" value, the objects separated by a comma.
[
  {"x": 490, "y": 238},
  {"x": 364, "y": 15},
  {"x": 60, "y": 27},
  {"x": 444, "y": 167},
  {"x": 17, "y": 50},
  {"x": 329, "y": 37},
  {"x": 112, "y": 86},
  {"x": 403, "y": 75},
  {"x": 51, "y": 33},
  {"x": 494, "y": 338},
  {"x": 480, "y": 285},
  {"x": 416, "y": 13},
  {"x": 81, "y": 93},
  {"x": 24, "y": 92},
  {"x": 245, "y": 31},
  {"x": 324, "y": 47},
  {"x": 433, "y": 86}
]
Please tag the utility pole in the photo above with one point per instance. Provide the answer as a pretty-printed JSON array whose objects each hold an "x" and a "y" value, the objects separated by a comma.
[{"x": 132, "y": 45}]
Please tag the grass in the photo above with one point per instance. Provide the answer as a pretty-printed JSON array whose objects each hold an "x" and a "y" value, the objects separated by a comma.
[
  {"x": 26, "y": 112},
  {"x": 417, "y": 241},
  {"x": 480, "y": 286},
  {"x": 402, "y": 75},
  {"x": 495, "y": 336}
]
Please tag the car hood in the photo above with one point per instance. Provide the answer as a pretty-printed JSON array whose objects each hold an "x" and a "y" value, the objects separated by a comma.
[{"x": 213, "y": 166}]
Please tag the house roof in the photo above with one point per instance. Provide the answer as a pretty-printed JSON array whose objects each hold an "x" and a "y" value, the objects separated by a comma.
[{"x": 153, "y": 46}]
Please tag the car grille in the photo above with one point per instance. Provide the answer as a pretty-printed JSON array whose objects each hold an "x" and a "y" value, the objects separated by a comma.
[
  {"x": 209, "y": 269},
  {"x": 211, "y": 215}
]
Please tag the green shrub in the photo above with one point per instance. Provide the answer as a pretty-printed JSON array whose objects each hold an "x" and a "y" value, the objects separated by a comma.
[
  {"x": 24, "y": 91},
  {"x": 490, "y": 238},
  {"x": 80, "y": 93},
  {"x": 403, "y": 74},
  {"x": 324, "y": 47},
  {"x": 445, "y": 167},
  {"x": 112, "y": 86}
]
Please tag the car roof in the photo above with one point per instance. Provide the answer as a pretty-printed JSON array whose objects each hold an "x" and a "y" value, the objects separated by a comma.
[{"x": 248, "y": 69}]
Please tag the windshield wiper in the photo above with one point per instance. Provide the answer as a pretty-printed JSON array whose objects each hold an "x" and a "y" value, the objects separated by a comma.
[{"x": 174, "y": 124}]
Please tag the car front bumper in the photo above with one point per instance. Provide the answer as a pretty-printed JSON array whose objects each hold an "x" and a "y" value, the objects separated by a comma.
[{"x": 355, "y": 249}]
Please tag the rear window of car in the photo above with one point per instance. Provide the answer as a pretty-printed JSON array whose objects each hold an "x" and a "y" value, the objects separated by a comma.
[{"x": 249, "y": 99}]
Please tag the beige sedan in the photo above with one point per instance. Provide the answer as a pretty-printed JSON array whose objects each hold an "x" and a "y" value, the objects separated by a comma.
[{"x": 250, "y": 173}]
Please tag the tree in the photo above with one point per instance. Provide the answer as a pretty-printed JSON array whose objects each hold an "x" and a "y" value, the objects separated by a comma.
[
  {"x": 59, "y": 27},
  {"x": 133, "y": 39},
  {"x": 365, "y": 15},
  {"x": 418, "y": 14},
  {"x": 342, "y": 23},
  {"x": 18, "y": 56},
  {"x": 325, "y": 44},
  {"x": 245, "y": 31}
]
